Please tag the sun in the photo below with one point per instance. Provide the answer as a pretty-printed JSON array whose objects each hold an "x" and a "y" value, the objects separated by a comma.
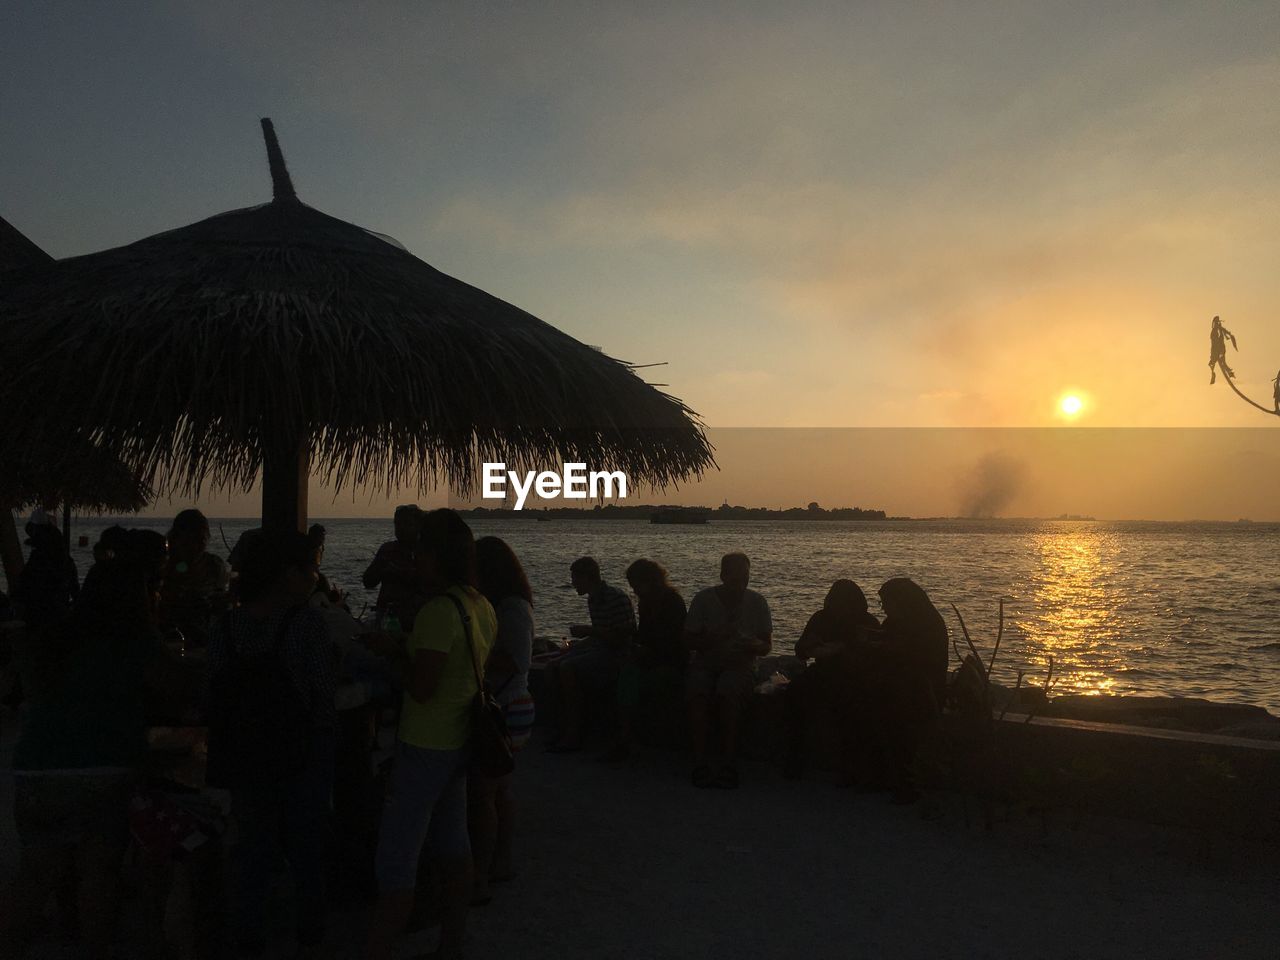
[{"x": 1070, "y": 405}]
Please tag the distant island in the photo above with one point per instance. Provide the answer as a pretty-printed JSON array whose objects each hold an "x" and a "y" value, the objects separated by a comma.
[{"x": 670, "y": 514}]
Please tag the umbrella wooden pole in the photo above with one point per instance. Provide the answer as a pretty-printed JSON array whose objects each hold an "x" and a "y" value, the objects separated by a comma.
[
  {"x": 10, "y": 548},
  {"x": 285, "y": 473},
  {"x": 66, "y": 527}
]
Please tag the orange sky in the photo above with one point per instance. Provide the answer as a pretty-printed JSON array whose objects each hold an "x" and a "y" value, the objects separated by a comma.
[{"x": 820, "y": 215}]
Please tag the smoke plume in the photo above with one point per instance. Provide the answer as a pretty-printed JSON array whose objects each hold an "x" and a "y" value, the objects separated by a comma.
[{"x": 991, "y": 485}]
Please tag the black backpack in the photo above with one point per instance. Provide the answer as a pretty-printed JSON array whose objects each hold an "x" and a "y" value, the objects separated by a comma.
[{"x": 259, "y": 721}]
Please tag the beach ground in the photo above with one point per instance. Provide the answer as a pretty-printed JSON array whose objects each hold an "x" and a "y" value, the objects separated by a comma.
[{"x": 633, "y": 862}]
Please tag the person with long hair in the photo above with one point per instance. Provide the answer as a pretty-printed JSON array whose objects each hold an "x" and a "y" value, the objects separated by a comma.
[
  {"x": 451, "y": 639},
  {"x": 491, "y": 802},
  {"x": 82, "y": 745},
  {"x": 195, "y": 580},
  {"x": 829, "y": 638},
  {"x": 655, "y": 666}
]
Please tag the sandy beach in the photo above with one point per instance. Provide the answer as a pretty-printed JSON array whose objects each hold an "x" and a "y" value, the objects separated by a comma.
[{"x": 632, "y": 862}]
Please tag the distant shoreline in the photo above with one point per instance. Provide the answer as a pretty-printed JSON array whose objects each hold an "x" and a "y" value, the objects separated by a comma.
[{"x": 802, "y": 514}]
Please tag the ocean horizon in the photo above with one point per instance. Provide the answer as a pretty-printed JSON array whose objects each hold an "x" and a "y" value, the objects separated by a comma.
[{"x": 1175, "y": 608}]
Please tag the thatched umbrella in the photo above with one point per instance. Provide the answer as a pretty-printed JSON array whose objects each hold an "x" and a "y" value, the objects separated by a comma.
[
  {"x": 59, "y": 466},
  {"x": 80, "y": 476},
  {"x": 17, "y": 252},
  {"x": 276, "y": 336}
]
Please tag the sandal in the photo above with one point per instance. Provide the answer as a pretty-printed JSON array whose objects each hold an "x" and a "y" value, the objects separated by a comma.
[{"x": 702, "y": 777}]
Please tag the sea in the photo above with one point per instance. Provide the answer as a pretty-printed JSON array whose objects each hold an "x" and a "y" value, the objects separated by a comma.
[{"x": 1179, "y": 609}]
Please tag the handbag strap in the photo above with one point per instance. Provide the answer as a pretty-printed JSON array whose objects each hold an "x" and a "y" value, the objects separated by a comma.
[{"x": 466, "y": 633}]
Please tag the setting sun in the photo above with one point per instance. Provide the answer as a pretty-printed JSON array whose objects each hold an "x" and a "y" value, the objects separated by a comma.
[{"x": 1070, "y": 405}]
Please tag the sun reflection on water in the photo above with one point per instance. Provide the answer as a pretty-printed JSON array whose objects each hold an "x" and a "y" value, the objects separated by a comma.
[{"x": 1076, "y": 599}]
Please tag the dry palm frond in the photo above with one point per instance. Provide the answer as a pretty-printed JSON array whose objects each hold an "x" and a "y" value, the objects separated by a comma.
[
  {"x": 85, "y": 478},
  {"x": 191, "y": 353},
  {"x": 16, "y": 251},
  {"x": 57, "y": 467}
]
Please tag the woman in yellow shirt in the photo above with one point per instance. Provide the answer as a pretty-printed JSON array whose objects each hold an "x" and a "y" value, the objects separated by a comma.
[{"x": 428, "y": 794}]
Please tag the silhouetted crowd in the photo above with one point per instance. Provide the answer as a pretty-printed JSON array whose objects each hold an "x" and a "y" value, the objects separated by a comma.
[{"x": 350, "y": 752}]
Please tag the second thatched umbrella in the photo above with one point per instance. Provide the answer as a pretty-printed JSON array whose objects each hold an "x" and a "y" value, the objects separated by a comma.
[
  {"x": 276, "y": 336},
  {"x": 59, "y": 466}
]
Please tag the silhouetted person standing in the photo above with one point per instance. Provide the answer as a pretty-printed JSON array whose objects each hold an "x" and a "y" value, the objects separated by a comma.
[
  {"x": 48, "y": 582},
  {"x": 394, "y": 569},
  {"x": 1218, "y": 336}
]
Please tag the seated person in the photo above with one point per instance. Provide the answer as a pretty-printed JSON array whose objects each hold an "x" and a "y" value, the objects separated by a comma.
[
  {"x": 394, "y": 571},
  {"x": 591, "y": 665},
  {"x": 326, "y": 594},
  {"x": 728, "y": 627},
  {"x": 194, "y": 589},
  {"x": 830, "y": 638},
  {"x": 900, "y": 685},
  {"x": 659, "y": 657}
]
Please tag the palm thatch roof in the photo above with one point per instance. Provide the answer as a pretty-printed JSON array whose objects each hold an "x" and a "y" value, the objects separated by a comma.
[
  {"x": 87, "y": 480},
  {"x": 60, "y": 466},
  {"x": 195, "y": 353},
  {"x": 16, "y": 251}
]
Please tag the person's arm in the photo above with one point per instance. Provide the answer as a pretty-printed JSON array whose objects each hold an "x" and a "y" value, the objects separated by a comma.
[
  {"x": 696, "y": 635},
  {"x": 436, "y": 629},
  {"x": 810, "y": 638},
  {"x": 619, "y": 626},
  {"x": 617, "y": 634},
  {"x": 373, "y": 575},
  {"x": 501, "y": 662},
  {"x": 425, "y": 671},
  {"x": 513, "y": 646},
  {"x": 764, "y": 642}
]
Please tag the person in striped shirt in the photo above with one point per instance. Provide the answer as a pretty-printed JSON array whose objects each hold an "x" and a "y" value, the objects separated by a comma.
[{"x": 591, "y": 665}]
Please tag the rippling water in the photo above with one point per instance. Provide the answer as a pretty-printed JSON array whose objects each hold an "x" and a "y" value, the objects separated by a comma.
[{"x": 1185, "y": 609}]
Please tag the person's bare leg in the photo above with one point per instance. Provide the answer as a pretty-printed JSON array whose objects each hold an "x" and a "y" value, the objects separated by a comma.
[
  {"x": 390, "y": 914},
  {"x": 505, "y": 805},
  {"x": 482, "y": 824}
]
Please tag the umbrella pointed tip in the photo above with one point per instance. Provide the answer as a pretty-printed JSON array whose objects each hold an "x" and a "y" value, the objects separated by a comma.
[{"x": 281, "y": 184}]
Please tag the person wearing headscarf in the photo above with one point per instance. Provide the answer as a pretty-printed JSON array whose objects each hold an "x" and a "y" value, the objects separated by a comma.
[
  {"x": 829, "y": 638},
  {"x": 903, "y": 679}
]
